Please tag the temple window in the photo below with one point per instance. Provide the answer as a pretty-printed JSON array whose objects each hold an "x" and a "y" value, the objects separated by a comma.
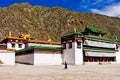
[
  {"x": 13, "y": 45},
  {"x": 20, "y": 45},
  {"x": 78, "y": 44},
  {"x": 70, "y": 45},
  {"x": 64, "y": 46}
]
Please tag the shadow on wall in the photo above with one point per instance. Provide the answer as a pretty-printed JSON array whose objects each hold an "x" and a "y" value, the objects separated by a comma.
[{"x": 1, "y": 62}]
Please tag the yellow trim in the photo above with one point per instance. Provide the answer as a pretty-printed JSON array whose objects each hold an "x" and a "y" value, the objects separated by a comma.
[
  {"x": 9, "y": 35},
  {"x": 56, "y": 42},
  {"x": 10, "y": 49},
  {"x": 45, "y": 41},
  {"x": 16, "y": 38},
  {"x": 49, "y": 41},
  {"x": 39, "y": 41}
]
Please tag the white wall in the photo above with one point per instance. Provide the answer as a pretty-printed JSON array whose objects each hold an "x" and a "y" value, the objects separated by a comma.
[
  {"x": 9, "y": 45},
  {"x": 7, "y": 58},
  {"x": 40, "y": 58},
  {"x": 99, "y": 44},
  {"x": 47, "y": 59},
  {"x": 27, "y": 58},
  {"x": 69, "y": 55},
  {"x": 40, "y": 44},
  {"x": 74, "y": 55},
  {"x": 78, "y": 54},
  {"x": 118, "y": 55},
  {"x": 17, "y": 46}
]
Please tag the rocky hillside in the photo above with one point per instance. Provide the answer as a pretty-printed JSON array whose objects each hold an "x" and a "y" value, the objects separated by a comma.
[{"x": 41, "y": 22}]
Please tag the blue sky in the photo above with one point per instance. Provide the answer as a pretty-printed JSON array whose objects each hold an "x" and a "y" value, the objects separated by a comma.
[{"x": 105, "y": 7}]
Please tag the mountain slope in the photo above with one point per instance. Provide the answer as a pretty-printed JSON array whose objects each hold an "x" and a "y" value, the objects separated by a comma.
[{"x": 42, "y": 22}]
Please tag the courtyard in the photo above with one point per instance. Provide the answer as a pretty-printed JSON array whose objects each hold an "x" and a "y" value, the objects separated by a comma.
[{"x": 57, "y": 72}]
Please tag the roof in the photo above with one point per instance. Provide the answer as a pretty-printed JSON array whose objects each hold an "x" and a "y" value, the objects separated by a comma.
[
  {"x": 72, "y": 33},
  {"x": 99, "y": 49},
  {"x": 81, "y": 32},
  {"x": 100, "y": 39},
  {"x": 38, "y": 47},
  {"x": 36, "y": 41},
  {"x": 94, "y": 29},
  {"x": 16, "y": 38}
]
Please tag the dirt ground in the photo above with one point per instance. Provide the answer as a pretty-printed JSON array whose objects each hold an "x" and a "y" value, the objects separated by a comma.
[{"x": 81, "y": 72}]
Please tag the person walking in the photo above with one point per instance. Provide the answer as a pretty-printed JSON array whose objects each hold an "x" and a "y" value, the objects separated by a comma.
[{"x": 66, "y": 67}]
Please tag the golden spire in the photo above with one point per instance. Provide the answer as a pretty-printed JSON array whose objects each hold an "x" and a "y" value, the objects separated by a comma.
[
  {"x": 49, "y": 39},
  {"x": 9, "y": 35},
  {"x": 74, "y": 29}
]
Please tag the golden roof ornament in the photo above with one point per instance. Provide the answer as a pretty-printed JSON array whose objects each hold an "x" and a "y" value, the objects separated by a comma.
[
  {"x": 25, "y": 36},
  {"x": 9, "y": 35},
  {"x": 49, "y": 39},
  {"x": 74, "y": 29}
]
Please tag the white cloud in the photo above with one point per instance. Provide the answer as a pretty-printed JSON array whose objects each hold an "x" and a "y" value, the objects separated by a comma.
[
  {"x": 113, "y": 10},
  {"x": 97, "y": 2}
]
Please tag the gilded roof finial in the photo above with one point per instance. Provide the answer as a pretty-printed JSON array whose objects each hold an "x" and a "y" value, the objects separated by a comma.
[
  {"x": 26, "y": 36},
  {"x": 9, "y": 35},
  {"x": 74, "y": 29},
  {"x": 49, "y": 39}
]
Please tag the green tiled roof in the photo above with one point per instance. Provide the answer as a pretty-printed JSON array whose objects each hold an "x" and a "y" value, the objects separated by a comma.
[
  {"x": 99, "y": 49},
  {"x": 38, "y": 47},
  {"x": 99, "y": 38},
  {"x": 26, "y": 49},
  {"x": 72, "y": 33},
  {"x": 80, "y": 32},
  {"x": 94, "y": 29}
]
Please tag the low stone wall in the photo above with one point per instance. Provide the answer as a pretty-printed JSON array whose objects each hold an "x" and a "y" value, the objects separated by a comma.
[
  {"x": 25, "y": 59},
  {"x": 39, "y": 57}
]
